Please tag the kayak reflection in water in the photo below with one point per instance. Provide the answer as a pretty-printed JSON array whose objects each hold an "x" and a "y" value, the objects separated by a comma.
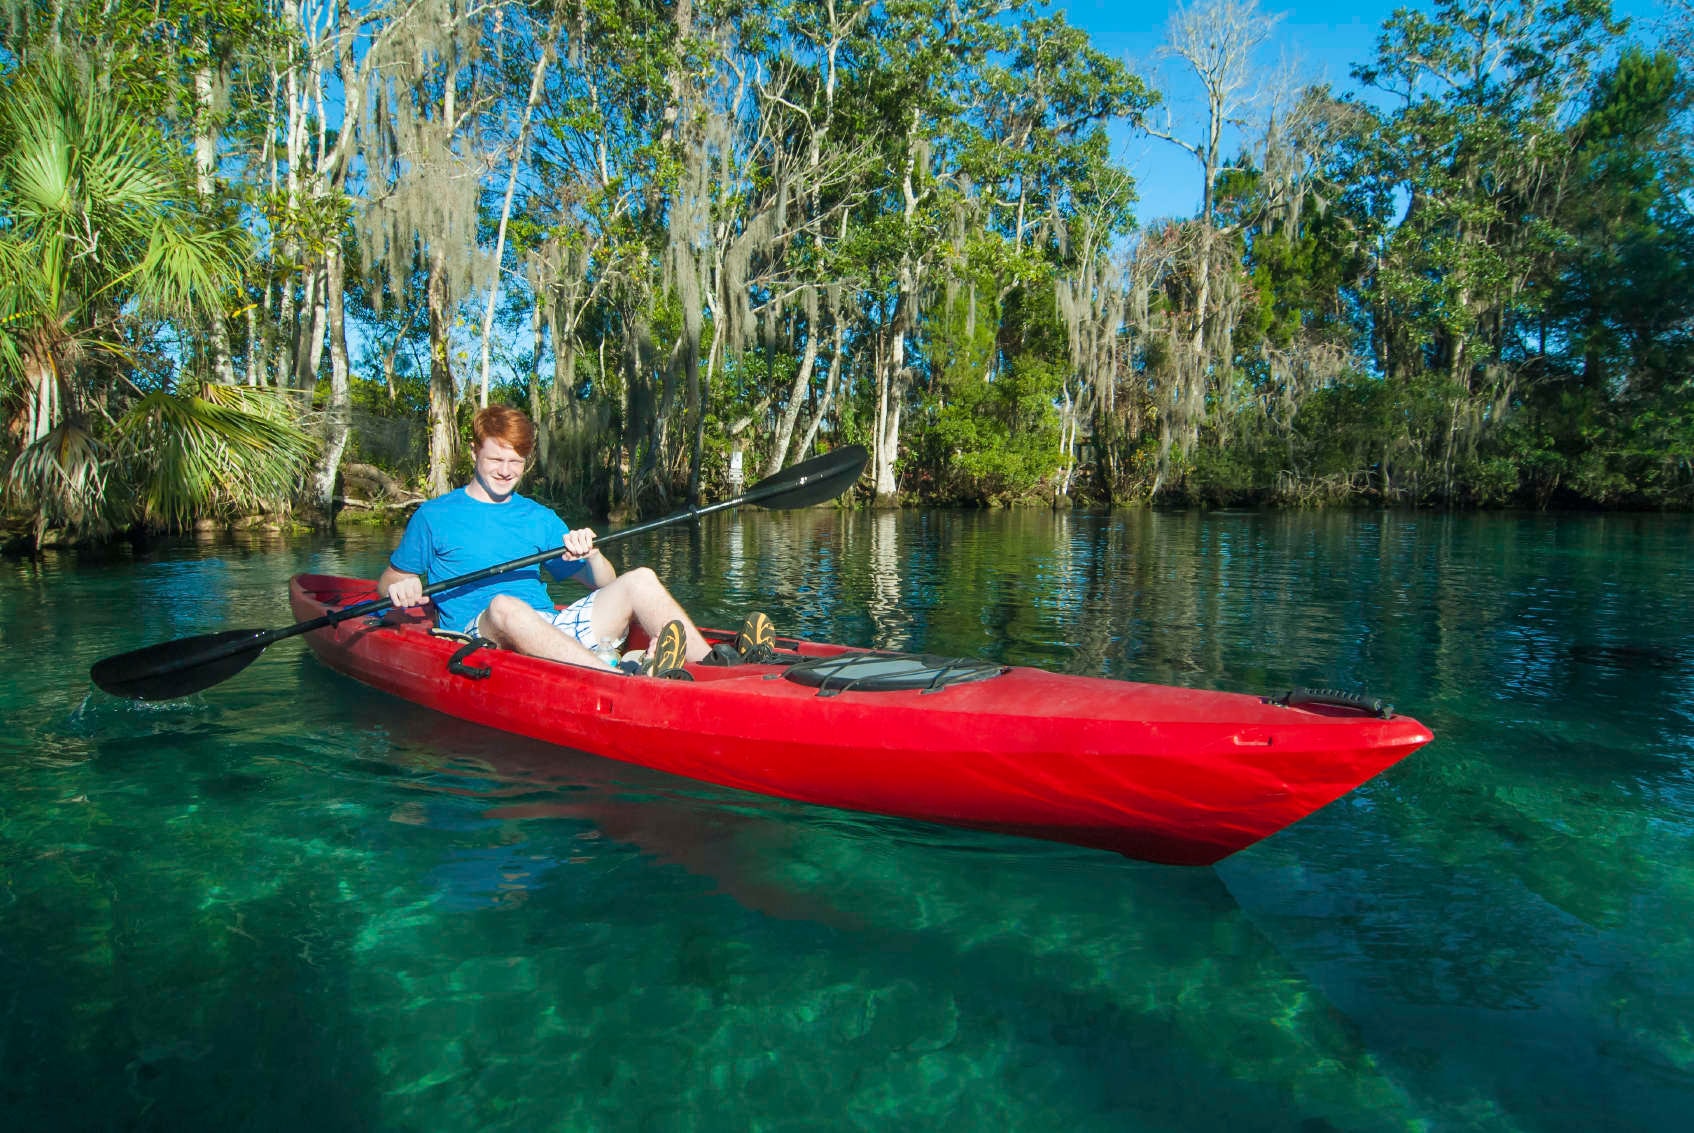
[{"x": 487, "y": 522}]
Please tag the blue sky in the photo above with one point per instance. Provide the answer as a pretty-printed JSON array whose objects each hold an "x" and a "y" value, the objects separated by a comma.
[{"x": 1324, "y": 38}]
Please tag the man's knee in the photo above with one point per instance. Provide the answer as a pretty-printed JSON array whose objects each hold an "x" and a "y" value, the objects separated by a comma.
[
  {"x": 644, "y": 580},
  {"x": 503, "y": 608}
]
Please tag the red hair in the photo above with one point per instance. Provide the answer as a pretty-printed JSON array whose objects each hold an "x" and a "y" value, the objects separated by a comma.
[{"x": 507, "y": 425}]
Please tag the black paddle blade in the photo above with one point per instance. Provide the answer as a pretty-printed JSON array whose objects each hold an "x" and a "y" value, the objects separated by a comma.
[
  {"x": 811, "y": 482},
  {"x": 177, "y": 668}
]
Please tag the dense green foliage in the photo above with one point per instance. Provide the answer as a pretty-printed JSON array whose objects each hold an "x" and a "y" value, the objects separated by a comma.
[
  {"x": 681, "y": 232},
  {"x": 99, "y": 251}
]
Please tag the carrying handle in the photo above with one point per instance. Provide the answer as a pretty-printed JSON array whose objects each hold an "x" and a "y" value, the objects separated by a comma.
[{"x": 1335, "y": 698}]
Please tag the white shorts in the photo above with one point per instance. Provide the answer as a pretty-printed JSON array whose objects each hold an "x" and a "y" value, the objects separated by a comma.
[{"x": 576, "y": 619}]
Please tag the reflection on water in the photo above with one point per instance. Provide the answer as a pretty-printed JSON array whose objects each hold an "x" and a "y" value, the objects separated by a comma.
[
  {"x": 288, "y": 900},
  {"x": 888, "y": 612}
]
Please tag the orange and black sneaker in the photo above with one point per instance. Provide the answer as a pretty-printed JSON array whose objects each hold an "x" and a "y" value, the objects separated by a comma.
[
  {"x": 667, "y": 653},
  {"x": 757, "y": 640}
]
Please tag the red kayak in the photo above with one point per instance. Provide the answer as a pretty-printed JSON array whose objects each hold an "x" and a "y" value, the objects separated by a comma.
[{"x": 1162, "y": 774}]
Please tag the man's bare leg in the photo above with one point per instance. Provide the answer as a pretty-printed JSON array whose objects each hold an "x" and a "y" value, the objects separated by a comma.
[
  {"x": 638, "y": 596},
  {"x": 512, "y": 623}
]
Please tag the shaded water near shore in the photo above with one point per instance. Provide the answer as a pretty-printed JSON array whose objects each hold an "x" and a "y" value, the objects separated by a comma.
[{"x": 289, "y": 902}]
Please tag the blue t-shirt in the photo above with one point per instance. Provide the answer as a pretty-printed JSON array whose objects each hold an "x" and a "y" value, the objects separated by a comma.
[{"x": 457, "y": 534}]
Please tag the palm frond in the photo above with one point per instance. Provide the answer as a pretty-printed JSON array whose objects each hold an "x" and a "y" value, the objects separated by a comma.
[
  {"x": 197, "y": 455},
  {"x": 257, "y": 400},
  {"x": 64, "y": 478},
  {"x": 186, "y": 267},
  {"x": 20, "y": 296},
  {"x": 11, "y": 364},
  {"x": 99, "y": 233},
  {"x": 39, "y": 171}
]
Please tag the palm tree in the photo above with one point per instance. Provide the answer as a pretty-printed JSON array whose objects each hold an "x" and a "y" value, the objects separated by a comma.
[{"x": 99, "y": 242}]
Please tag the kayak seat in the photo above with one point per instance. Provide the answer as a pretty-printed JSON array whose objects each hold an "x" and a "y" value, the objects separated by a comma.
[
  {"x": 889, "y": 672},
  {"x": 722, "y": 654}
]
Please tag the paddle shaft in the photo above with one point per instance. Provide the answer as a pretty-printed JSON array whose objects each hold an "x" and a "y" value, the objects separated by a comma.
[
  {"x": 145, "y": 672},
  {"x": 270, "y": 637},
  {"x": 378, "y": 605}
]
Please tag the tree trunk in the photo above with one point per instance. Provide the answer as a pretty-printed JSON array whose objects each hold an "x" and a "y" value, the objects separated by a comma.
[
  {"x": 556, "y": 388},
  {"x": 535, "y": 89},
  {"x": 697, "y": 452},
  {"x": 282, "y": 368},
  {"x": 891, "y": 383},
  {"x": 890, "y": 386},
  {"x": 41, "y": 403},
  {"x": 443, "y": 424},
  {"x": 797, "y": 392},
  {"x": 537, "y": 327},
  {"x": 288, "y": 314},
  {"x": 221, "y": 364},
  {"x": 256, "y": 344},
  {"x": 837, "y": 358},
  {"x": 308, "y": 355},
  {"x": 687, "y": 354},
  {"x": 338, "y": 413}
]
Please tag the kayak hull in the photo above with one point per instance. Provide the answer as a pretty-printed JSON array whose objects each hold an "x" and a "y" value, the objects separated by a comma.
[{"x": 1157, "y": 773}]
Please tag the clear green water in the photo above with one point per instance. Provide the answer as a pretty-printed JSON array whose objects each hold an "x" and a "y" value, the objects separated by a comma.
[{"x": 289, "y": 903}]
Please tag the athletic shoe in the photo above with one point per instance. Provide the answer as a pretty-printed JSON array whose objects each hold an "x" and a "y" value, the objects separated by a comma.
[
  {"x": 667, "y": 653},
  {"x": 757, "y": 640}
]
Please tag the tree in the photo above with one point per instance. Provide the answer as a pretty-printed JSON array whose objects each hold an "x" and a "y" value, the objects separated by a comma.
[
  {"x": 1216, "y": 40},
  {"x": 98, "y": 238},
  {"x": 1478, "y": 149},
  {"x": 1608, "y": 399},
  {"x": 428, "y": 91}
]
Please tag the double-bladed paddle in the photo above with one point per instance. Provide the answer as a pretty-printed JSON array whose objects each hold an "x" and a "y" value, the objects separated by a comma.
[{"x": 187, "y": 665}]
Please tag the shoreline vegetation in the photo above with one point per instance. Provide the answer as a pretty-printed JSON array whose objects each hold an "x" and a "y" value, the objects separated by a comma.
[{"x": 259, "y": 268}]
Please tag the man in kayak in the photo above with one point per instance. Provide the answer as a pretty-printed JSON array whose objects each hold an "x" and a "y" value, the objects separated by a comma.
[{"x": 488, "y": 522}]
